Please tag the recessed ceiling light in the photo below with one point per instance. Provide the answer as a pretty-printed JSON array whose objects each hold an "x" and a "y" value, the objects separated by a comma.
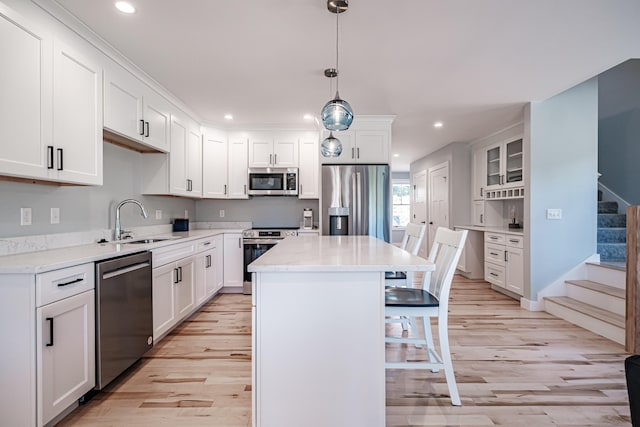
[
  {"x": 308, "y": 117},
  {"x": 228, "y": 117},
  {"x": 437, "y": 125},
  {"x": 396, "y": 155},
  {"x": 125, "y": 7}
]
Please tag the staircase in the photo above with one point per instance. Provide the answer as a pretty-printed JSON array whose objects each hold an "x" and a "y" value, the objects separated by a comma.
[
  {"x": 612, "y": 232},
  {"x": 597, "y": 303}
]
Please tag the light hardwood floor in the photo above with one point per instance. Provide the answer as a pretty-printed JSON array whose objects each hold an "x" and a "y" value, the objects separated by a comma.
[{"x": 513, "y": 368}]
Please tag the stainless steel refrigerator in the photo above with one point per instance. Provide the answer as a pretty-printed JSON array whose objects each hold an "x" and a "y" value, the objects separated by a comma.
[{"x": 356, "y": 200}]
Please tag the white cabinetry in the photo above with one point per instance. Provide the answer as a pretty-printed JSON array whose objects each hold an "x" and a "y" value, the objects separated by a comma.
[
  {"x": 173, "y": 286},
  {"x": 504, "y": 164},
  {"x": 368, "y": 141},
  {"x": 224, "y": 161},
  {"x": 504, "y": 262},
  {"x": 47, "y": 324},
  {"x": 51, "y": 103},
  {"x": 208, "y": 268},
  {"x": 134, "y": 111},
  {"x": 308, "y": 173},
  {"x": 478, "y": 173},
  {"x": 273, "y": 150},
  {"x": 233, "y": 260},
  {"x": 178, "y": 173}
]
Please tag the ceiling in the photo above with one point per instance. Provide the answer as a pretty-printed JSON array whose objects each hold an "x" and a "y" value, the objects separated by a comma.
[{"x": 471, "y": 64}]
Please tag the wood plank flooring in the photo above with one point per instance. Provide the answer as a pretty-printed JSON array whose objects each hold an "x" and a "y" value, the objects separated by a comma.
[{"x": 513, "y": 367}]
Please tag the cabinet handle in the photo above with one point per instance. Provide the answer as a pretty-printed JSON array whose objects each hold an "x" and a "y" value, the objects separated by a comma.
[
  {"x": 225, "y": 189},
  {"x": 481, "y": 219},
  {"x": 189, "y": 185},
  {"x": 358, "y": 152},
  {"x": 514, "y": 240},
  {"x": 206, "y": 243},
  {"x": 50, "y": 320},
  {"x": 146, "y": 133},
  {"x": 275, "y": 159},
  {"x": 49, "y": 156},
  {"x": 270, "y": 159},
  {"x": 300, "y": 188},
  {"x": 481, "y": 191},
  {"x": 493, "y": 274},
  {"x": 142, "y": 127},
  {"x": 505, "y": 257},
  {"x": 60, "y": 159},
  {"x": 494, "y": 253},
  {"x": 180, "y": 274},
  {"x": 79, "y": 279},
  {"x": 208, "y": 261},
  {"x": 353, "y": 150},
  {"x": 493, "y": 237},
  {"x": 245, "y": 189},
  {"x": 175, "y": 279},
  {"x": 240, "y": 242},
  {"x": 501, "y": 179}
]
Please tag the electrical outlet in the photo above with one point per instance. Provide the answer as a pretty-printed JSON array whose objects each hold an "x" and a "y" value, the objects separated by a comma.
[
  {"x": 25, "y": 216},
  {"x": 55, "y": 215},
  {"x": 554, "y": 213},
  {"x": 221, "y": 213},
  {"x": 186, "y": 214},
  {"x": 158, "y": 214}
]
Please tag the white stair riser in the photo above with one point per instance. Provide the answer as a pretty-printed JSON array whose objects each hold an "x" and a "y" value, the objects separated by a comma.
[
  {"x": 599, "y": 299},
  {"x": 589, "y": 323},
  {"x": 607, "y": 276}
]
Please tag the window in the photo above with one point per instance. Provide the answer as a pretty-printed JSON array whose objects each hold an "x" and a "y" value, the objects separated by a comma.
[{"x": 401, "y": 191}]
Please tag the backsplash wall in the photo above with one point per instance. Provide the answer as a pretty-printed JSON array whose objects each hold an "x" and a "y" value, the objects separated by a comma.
[
  {"x": 87, "y": 208},
  {"x": 261, "y": 211}
]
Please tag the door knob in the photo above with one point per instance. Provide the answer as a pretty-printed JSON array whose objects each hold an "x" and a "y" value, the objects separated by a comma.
[{"x": 430, "y": 222}]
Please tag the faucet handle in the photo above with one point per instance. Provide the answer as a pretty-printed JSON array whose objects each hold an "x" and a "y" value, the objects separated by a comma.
[{"x": 126, "y": 234}]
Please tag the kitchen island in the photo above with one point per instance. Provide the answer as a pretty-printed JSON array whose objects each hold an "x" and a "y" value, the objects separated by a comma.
[{"x": 318, "y": 330}]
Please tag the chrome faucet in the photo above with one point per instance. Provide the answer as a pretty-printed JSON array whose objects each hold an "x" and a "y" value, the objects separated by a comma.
[{"x": 122, "y": 203}]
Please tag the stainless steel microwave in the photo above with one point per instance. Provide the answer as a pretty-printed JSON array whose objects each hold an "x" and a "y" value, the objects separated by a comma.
[{"x": 273, "y": 181}]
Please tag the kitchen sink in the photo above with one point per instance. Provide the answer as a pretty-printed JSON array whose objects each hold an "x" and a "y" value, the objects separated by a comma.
[{"x": 149, "y": 240}]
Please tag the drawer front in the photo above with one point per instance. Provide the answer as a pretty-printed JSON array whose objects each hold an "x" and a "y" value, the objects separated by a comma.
[
  {"x": 205, "y": 244},
  {"x": 60, "y": 284},
  {"x": 494, "y": 253},
  {"x": 496, "y": 238},
  {"x": 167, "y": 254},
  {"x": 494, "y": 274},
  {"x": 514, "y": 241}
]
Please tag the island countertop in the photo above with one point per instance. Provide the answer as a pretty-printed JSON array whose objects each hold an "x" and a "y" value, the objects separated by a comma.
[{"x": 337, "y": 253}]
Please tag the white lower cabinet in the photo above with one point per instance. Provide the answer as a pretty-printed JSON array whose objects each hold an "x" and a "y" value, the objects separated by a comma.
[
  {"x": 47, "y": 325},
  {"x": 504, "y": 261},
  {"x": 66, "y": 356},
  {"x": 208, "y": 268}
]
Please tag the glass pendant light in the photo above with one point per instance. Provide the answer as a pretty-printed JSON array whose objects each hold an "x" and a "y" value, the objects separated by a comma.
[
  {"x": 337, "y": 114},
  {"x": 331, "y": 146}
]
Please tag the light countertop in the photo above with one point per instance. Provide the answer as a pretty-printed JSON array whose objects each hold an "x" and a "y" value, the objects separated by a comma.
[
  {"x": 505, "y": 230},
  {"x": 41, "y": 261},
  {"x": 337, "y": 253}
]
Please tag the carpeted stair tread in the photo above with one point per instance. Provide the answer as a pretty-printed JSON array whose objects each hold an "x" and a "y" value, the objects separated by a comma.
[
  {"x": 612, "y": 220},
  {"x": 612, "y": 235},
  {"x": 608, "y": 207}
]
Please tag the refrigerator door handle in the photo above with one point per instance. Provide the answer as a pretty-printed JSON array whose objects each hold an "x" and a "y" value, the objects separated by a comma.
[{"x": 358, "y": 203}]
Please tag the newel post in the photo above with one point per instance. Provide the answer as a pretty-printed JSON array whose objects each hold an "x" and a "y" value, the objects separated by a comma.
[{"x": 632, "y": 340}]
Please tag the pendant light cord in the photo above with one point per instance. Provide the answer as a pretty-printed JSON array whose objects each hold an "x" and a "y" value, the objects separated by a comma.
[{"x": 337, "y": 35}]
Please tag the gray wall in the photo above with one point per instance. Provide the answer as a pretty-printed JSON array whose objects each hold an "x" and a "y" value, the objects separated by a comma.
[
  {"x": 87, "y": 208},
  {"x": 619, "y": 130},
  {"x": 262, "y": 211},
  {"x": 563, "y": 133},
  {"x": 459, "y": 156}
]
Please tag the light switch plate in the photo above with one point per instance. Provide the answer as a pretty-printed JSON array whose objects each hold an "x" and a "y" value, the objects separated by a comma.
[
  {"x": 186, "y": 214},
  {"x": 554, "y": 213},
  {"x": 221, "y": 213},
  {"x": 158, "y": 214}
]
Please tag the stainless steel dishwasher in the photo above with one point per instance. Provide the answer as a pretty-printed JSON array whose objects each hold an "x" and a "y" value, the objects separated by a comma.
[{"x": 124, "y": 316}]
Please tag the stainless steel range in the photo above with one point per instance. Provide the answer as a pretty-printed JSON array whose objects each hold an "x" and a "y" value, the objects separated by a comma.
[{"x": 257, "y": 241}]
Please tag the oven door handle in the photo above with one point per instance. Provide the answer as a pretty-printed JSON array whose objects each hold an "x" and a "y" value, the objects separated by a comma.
[{"x": 261, "y": 241}]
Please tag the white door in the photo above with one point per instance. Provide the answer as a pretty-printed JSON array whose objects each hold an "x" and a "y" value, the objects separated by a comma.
[
  {"x": 194, "y": 162},
  {"x": 178, "y": 157},
  {"x": 285, "y": 150},
  {"x": 308, "y": 174},
  {"x": 214, "y": 167},
  {"x": 164, "y": 314},
  {"x": 372, "y": 146},
  {"x": 438, "y": 200},
  {"x": 157, "y": 121},
  {"x": 260, "y": 151},
  {"x": 237, "y": 169},
  {"x": 123, "y": 102},
  {"x": 419, "y": 205}
]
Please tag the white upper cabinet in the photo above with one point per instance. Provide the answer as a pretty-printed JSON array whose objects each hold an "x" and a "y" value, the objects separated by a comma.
[
  {"x": 77, "y": 118},
  {"x": 504, "y": 164},
  {"x": 308, "y": 174},
  {"x": 134, "y": 111},
  {"x": 368, "y": 141},
  {"x": 224, "y": 160},
  {"x": 50, "y": 103},
  {"x": 26, "y": 96},
  {"x": 273, "y": 150},
  {"x": 478, "y": 174}
]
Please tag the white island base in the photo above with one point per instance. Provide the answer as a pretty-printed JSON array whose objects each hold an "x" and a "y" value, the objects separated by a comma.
[{"x": 318, "y": 331}]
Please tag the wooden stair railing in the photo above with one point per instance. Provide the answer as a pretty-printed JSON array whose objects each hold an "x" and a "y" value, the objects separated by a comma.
[{"x": 632, "y": 340}]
